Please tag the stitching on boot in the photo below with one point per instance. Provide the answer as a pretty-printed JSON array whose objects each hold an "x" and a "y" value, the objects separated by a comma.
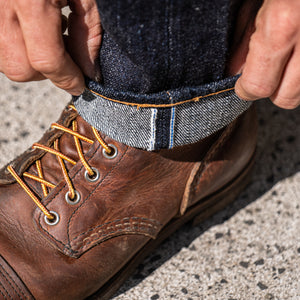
[
  {"x": 154, "y": 225},
  {"x": 4, "y": 297},
  {"x": 6, "y": 276},
  {"x": 112, "y": 231},
  {"x": 4, "y": 289}
]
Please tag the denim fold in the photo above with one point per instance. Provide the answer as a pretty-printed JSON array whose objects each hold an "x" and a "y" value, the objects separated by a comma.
[
  {"x": 161, "y": 120},
  {"x": 163, "y": 66}
]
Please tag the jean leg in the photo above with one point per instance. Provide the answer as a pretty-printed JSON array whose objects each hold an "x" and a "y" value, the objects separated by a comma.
[
  {"x": 151, "y": 46},
  {"x": 164, "y": 72}
]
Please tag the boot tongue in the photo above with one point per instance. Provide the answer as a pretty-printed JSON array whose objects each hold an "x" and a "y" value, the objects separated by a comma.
[{"x": 51, "y": 168}]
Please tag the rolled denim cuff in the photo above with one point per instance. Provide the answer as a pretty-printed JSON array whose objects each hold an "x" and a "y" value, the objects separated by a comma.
[{"x": 161, "y": 120}]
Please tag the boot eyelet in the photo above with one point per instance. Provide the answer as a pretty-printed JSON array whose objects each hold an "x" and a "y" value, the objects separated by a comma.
[
  {"x": 113, "y": 153},
  {"x": 72, "y": 201},
  {"x": 53, "y": 221},
  {"x": 93, "y": 178}
]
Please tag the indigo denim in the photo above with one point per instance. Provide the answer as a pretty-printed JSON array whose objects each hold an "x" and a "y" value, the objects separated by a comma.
[{"x": 163, "y": 66}]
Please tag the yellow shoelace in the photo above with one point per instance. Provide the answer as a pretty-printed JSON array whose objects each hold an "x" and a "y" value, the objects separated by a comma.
[{"x": 61, "y": 158}]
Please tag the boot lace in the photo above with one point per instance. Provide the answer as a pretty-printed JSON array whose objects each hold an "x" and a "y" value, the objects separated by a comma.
[{"x": 91, "y": 173}]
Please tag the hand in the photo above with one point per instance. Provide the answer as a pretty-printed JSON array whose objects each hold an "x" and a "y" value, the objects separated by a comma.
[
  {"x": 32, "y": 45},
  {"x": 85, "y": 35},
  {"x": 272, "y": 67}
]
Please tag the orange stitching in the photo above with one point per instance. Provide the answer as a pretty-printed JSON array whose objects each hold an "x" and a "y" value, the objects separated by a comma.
[
  {"x": 112, "y": 227},
  {"x": 138, "y": 105},
  {"x": 95, "y": 236}
]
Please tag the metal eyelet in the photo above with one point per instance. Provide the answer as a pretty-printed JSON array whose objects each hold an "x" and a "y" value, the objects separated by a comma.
[
  {"x": 53, "y": 221},
  {"x": 72, "y": 201},
  {"x": 113, "y": 154},
  {"x": 93, "y": 178}
]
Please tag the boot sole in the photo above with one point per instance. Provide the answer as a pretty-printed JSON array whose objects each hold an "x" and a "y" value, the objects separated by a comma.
[{"x": 198, "y": 213}]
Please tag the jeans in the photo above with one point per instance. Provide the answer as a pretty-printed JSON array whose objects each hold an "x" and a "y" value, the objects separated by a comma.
[{"x": 163, "y": 66}]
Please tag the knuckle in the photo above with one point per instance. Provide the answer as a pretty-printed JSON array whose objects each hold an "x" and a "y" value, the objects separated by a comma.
[
  {"x": 45, "y": 63},
  {"x": 277, "y": 24},
  {"x": 286, "y": 102},
  {"x": 66, "y": 83},
  {"x": 285, "y": 34},
  {"x": 18, "y": 77},
  {"x": 258, "y": 90},
  {"x": 256, "y": 41},
  {"x": 283, "y": 23},
  {"x": 19, "y": 74}
]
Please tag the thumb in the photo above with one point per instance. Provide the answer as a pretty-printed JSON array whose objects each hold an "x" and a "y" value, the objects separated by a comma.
[
  {"x": 85, "y": 33},
  {"x": 242, "y": 92}
]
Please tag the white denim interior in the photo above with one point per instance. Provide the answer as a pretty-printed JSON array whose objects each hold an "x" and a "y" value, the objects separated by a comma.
[{"x": 136, "y": 127}]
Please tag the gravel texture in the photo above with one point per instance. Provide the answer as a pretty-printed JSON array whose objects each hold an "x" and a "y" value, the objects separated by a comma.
[{"x": 251, "y": 250}]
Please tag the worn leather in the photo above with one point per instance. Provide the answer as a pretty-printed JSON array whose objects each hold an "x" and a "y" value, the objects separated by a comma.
[
  {"x": 137, "y": 194},
  {"x": 11, "y": 287}
]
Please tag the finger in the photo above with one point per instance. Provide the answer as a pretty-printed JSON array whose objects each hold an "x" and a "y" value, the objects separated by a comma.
[
  {"x": 262, "y": 71},
  {"x": 85, "y": 36},
  {"x": 45, "y": 47},
  {"x": 243, "y": 31},
  {"x": 13, "y": 58},
  {"x": 288, "y": 94},
  {"x": 269, "y": 50}
]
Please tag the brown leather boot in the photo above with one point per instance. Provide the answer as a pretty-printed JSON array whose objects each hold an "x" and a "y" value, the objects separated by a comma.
[{"x": 79, "y": 211}]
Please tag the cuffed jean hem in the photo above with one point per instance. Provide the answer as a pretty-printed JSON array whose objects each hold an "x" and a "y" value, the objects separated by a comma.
[{"x": 161, "y": 120}]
